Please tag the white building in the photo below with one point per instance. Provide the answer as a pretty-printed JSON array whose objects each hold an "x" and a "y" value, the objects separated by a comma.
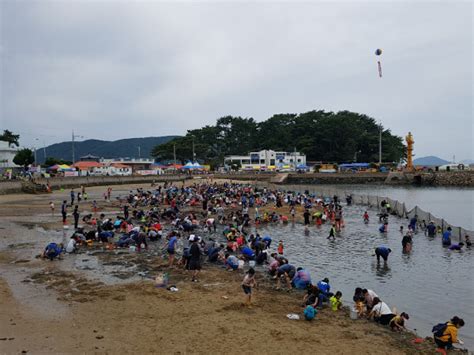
[
  {"x": 114, "y": 169},
  {"x": 7, "y": 153},
  {"x": 267, "y": 159}
]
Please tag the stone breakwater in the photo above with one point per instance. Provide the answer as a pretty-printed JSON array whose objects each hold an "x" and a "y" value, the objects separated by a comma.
[{"x": 438, "y": 178}]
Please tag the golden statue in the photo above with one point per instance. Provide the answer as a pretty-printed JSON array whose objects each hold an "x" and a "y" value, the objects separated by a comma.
[{"x": 410, "y": 142}]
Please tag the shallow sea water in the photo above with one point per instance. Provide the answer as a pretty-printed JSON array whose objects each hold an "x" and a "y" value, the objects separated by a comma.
[{"x": 431, "y": 283}]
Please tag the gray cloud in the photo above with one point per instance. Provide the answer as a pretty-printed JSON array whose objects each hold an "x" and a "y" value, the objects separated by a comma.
[{"x": 126, "y": 69}]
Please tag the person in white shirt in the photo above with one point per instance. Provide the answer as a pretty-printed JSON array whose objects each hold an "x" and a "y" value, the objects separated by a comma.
[
  {"x": 71, "y": 246},
  {"x": 369, "y": 296},
  {"x": 381, "y": 312}
]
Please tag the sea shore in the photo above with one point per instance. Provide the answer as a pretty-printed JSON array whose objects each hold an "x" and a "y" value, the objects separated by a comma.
[{"x": 95, "y": 302}]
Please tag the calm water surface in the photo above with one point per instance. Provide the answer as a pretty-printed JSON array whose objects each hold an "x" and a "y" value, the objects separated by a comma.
[
  {"x": 454, "y": 204},
  {"x": 431, "y": 284}
]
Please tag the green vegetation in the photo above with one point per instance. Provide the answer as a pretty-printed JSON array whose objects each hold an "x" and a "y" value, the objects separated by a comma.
[
  {"x": 53, "y": 161},
  {"x": 322, "y": 136},
  {"x": 24, "y": 157},
  {"x": 9, "y": 137}
]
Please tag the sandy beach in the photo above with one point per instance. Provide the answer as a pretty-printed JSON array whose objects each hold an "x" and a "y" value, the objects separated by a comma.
[{"x": 74, "y": 306}]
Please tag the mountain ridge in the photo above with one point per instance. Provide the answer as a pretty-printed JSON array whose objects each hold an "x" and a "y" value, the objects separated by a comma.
[
  {"x": 121, "y": 148},
  {"x": 430, "y": 160}
]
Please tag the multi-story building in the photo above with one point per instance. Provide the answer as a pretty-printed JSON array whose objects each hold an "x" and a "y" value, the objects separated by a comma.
[
  {"x": 267, "y": 159},
  {"x": 7, "y": 153}
]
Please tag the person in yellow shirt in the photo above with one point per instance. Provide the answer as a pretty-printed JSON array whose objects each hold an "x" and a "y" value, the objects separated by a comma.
[
  {"x": 335, "y": 301},
  {"x": 397, "y": 323},
  {"x": 450, "y": 334}
]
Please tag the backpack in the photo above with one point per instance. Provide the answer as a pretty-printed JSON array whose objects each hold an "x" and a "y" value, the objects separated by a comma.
[
  {"x": 439, "y": 329},
  {"x": 309, "y": 313}
]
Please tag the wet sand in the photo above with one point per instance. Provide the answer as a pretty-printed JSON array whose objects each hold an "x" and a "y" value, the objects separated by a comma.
[{"x": 62, "y": 307}]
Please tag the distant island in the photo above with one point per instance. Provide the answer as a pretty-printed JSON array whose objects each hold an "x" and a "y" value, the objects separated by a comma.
[{"x": 430, "y": 161}]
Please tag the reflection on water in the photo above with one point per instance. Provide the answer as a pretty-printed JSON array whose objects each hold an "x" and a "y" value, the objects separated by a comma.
[{"x": 431, "y": 283}]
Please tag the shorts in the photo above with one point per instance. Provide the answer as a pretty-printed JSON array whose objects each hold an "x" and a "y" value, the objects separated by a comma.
[
  {"x": 247, "y": 289},
  {"x": 171, "y": 251},
  {"x": 194, "y": 265}
]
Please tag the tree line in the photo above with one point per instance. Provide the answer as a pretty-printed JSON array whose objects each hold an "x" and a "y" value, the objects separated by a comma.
[{"x": 323, "y": 136}]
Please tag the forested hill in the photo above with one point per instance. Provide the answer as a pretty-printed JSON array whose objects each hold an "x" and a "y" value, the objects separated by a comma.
[
  {"x": 105, "y": 149},
  {"x": 323, "y": 136}
]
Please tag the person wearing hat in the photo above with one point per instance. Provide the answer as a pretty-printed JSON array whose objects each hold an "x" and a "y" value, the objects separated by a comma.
[{"x": 194, "y": 257}]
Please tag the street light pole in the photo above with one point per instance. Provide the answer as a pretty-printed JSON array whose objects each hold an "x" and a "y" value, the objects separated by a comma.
[
  {"x": 34, "y": 148},
  {"x": 73, "y": 155},
  {"x": 73, "y": 152},
  {"x": 174, "y": 154},
  {"x": 380, "y": 144}
]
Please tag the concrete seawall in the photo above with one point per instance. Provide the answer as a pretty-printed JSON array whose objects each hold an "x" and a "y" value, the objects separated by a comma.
[
  {"x": 339, "y": 178},
  {"x": 453, "y": 178},
  {"x": 15, "y": 186}
]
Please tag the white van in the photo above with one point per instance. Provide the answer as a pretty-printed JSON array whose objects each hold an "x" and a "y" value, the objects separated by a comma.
[{"x": 453, "y": 167}]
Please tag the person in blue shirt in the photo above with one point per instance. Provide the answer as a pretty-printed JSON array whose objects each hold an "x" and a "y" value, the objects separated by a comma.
[
  {"x": 302, "y": 279},
  {"x": 413, "y": 222},
  {"x": 324, "y": 291},
  {"x": 456, "y": 246},
  {"x": 431, "y": 229},
  {"x": 52, "y": 250},
  {"x": 171, "y": 247},
  {"x": 382, "y": 252},
  {"x": 231, "y": 262},
  {"x": 447, "y": 237},
  {"x": 247, "y": 252},
  {"x": 267, "y": 241}
]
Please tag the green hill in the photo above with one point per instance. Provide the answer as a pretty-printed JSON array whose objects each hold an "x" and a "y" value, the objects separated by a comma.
[{"x": 105, "y": 149}]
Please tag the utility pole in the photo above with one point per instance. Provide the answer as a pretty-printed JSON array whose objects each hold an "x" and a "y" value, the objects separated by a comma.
[
  {"x": 174, "y": 154},
  {"x": 294, "y": 158},
  {"x": 36, "y": 157},
  {"x": 380, "y": 144},
  {"x": 73, "y": 153},
  {"x": 73, "y": 156}
]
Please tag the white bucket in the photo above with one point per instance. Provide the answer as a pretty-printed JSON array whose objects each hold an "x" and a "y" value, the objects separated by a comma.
[
  {"x": 241, "y": 264},
  {"x": 252, "y": 263},
  {"x": 132, "y": 248},
  {"x": 354, "y": 314}
]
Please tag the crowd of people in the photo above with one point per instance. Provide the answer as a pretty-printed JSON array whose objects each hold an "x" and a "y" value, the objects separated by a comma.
[{"x": 224, "y": 216}]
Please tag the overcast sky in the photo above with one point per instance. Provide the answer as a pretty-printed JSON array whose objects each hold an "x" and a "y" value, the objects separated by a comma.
[{"x": 112, "y": 70}]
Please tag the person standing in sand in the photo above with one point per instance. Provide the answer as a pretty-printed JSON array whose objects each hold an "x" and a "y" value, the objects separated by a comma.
[{"x": 248, "y": 283}]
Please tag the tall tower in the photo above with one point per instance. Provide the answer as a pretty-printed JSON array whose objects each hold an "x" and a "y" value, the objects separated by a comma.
[{"x": 410, "y": 142}]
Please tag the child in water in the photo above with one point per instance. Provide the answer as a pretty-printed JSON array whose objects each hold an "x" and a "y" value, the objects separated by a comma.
[
  {"x": 247, "y": 284},
  {"x": 335, "y": 301},
  {"x": 280, "y": 247},
  {"x": 366, "y": 217},
  {"x": 332, "y": 232}
]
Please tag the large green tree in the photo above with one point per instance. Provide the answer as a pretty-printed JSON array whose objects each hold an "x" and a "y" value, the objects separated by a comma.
[
  {"x": 9, "y": 137},
  {"x": 323, "y": 136},
  {"x": 24, "y": 157},
  {"x": 53, "y": 161}
]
